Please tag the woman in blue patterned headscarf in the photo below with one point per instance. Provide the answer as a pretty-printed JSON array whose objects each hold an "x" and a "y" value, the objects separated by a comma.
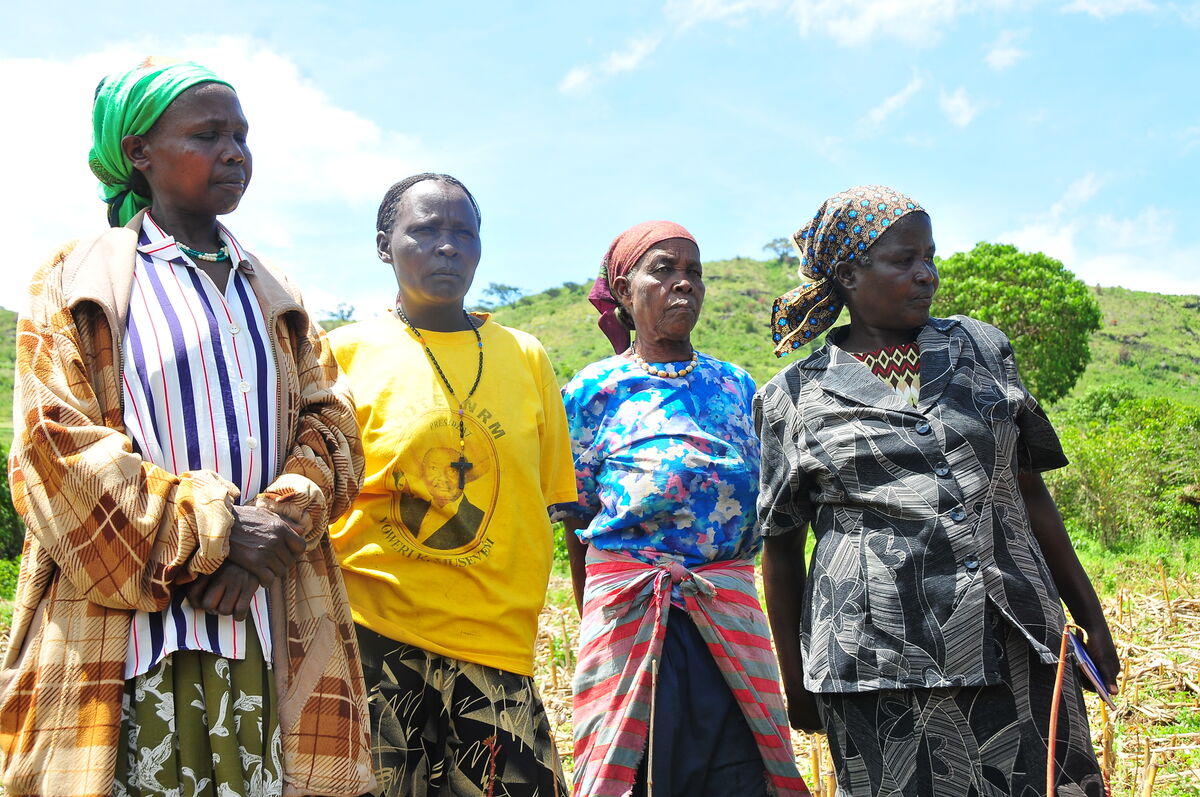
[{"x": 924, "y": 635}]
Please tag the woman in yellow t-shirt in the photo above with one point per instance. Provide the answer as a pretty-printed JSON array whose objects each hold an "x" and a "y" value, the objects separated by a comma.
[{"x": 447, "y": 551}]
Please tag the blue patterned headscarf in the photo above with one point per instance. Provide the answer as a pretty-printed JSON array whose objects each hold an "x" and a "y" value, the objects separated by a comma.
[{"x": 843, "y": 228}]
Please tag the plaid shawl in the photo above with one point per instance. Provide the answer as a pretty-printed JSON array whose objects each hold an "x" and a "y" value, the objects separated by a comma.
[
  {"x": 625, "y": 610},
  {"x": 110, "y": 533}
]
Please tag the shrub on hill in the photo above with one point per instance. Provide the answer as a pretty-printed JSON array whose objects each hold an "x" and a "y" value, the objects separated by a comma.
[
  {"x": 12, "y": 530},
  {"x": 1135, "y": 466},
  {"x": 1047, "y": 313}
]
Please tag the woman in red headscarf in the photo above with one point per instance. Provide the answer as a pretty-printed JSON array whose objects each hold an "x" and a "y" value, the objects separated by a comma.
[{"x": 676, "y": 686}]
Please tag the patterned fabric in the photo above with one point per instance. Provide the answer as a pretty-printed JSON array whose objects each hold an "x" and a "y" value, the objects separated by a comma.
[
  {"x": 448, "y": 727},
  {"x": 843, "y": 228},
  {"x": 971, "y": 741},
  {"x": 625, "y": 608},
  {"x": 203, "y": 726},
  {"x": 623, "y": 254},
  {"x": 200, "y": 392},
  {"x": 918, "y": 518},
  {"x": 111, "y": 533},
  {"x": 898, "y": 366},
  {"x": 665, "y": 466}
]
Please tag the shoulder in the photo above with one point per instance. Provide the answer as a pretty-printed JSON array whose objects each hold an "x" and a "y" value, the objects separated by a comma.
[
  {"x": 348, "y": 338},
  {"x": 269, "y": 272},
  {"x": 518, "y": 338},
  {"x": 600, "y": 376},
  {"x": 729, "y": 373},
  {"x": 973, "y": 328}
]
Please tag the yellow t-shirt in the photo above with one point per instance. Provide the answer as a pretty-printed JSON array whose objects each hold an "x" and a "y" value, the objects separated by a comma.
[{"x": 460, "y": 571}]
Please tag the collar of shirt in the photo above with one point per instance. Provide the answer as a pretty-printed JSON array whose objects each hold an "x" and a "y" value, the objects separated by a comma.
[{"x": 162, "y": 246}]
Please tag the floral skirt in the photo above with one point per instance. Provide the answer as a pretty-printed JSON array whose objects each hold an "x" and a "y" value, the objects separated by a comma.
[
  {"x": 201, "y": 724},
  {"x": 980, "y": 741},
  {"x": 440, "y": 726}
]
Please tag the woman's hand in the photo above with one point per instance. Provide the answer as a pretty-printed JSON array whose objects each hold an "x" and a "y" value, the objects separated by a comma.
[
  {"x": 1104, "y": 653},
  {"x": 227, "y": 591},
  {"x": 263, "y": 543},
  {"x": 802, "y": 711}
]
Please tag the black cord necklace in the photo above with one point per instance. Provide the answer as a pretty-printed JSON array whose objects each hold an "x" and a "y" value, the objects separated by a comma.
[{"x": 463, "y": 464}]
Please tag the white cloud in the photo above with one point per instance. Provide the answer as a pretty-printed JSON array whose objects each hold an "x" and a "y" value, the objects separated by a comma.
[
  {"x": 1005, "y": 52},
  {"x": 875, "y": 117},
  {"x": 1102, "y": 9},
  {"x": 310, "y": 154},
  {"x": 686, "y": 13},
  {"x": 582, "y": 78},
  {"x": 1190, "y": 137},
  {"x": 958, "y": 107},
  {"x": 1111, "y": 250},
  {"x": 1078, "y": 193},
  {"x": 917, "y": 22}
]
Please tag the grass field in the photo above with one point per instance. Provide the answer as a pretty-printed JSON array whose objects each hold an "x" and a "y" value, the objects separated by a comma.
[{"x": 1153, "y": 737}]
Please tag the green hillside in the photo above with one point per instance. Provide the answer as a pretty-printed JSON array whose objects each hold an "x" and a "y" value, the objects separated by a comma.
[
  {"x": 8, "y": 358},
  {"x": 1150, "y": 342}
]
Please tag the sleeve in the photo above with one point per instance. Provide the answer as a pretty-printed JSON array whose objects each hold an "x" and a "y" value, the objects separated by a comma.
[
  {"x": 1038, "y": 447},
  {"x": 784, "y": 504},
  {"x": 323, "y": 470},
  {"x": 585, "y": 502},
  {"x": 558, "y": 484},
  {"x": 123, "y": 531}
]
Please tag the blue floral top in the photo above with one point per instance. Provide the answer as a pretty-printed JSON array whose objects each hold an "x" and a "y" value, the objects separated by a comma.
[{"x": 665, "y": 465}]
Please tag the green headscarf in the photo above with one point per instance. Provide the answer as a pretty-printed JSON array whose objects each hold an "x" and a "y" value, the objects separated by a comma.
[{"x": 128, "y": 104}]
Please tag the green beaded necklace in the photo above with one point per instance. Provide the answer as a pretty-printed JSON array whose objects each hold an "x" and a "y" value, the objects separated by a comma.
[{"x": 211, "y": 257}]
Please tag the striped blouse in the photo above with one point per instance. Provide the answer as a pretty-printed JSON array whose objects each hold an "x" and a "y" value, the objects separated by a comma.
[{"x": 201, "y": 392}]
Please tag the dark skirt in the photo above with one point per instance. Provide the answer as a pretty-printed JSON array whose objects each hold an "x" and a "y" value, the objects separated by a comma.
[
  {"x": 703, "y": 746},
  {"x": 441, "y": 727},
  {"x": 981, "y": 741}
]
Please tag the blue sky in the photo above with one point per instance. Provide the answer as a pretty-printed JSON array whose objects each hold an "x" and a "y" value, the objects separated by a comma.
[{"x": 1070, "y": 127}]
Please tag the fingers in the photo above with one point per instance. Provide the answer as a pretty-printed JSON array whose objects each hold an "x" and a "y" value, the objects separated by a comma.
[
  {"x": 229, "y": 591},
  {"x": 293, "y": 539},
  {"x": 264, "y": 543},
  {"x": 195, "y": 590}
]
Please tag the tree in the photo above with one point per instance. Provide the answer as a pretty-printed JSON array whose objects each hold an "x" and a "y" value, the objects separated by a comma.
[
  {"x": 502, "y": 294},
  {"x": 339, "y": 317},
  {"x": 1047, "y": 312},
  {"x": 12, "y": 530},
  {"x": 782, "y": 248}
]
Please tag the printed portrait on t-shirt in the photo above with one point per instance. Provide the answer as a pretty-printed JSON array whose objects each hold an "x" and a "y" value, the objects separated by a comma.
[{"x": 443, "y": 492}]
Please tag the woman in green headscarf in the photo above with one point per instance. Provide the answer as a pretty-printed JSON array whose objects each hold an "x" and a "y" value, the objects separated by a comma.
[{"x": 181, "y": 626}]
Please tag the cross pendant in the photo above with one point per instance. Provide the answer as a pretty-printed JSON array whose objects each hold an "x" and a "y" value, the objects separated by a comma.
[{"x": 462, "y": 466}]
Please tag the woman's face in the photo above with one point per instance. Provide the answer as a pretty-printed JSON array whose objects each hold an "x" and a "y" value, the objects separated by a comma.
[
  {"x": 665, "y": 290},
  {"x": 896, "y": 287},
  {"x": 195, "y": 156},
  {"x": 434, "y": 245}
]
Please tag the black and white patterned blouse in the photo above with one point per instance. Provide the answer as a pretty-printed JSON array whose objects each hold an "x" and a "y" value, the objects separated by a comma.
[{"x": 923, "y": 542}]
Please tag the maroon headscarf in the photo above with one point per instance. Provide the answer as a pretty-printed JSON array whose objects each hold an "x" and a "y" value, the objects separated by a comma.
[{"x": 623, "y": 254}]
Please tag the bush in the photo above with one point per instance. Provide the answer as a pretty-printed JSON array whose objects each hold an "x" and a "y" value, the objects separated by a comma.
[
  {"x": 1047, "y": 313},
  {"x": 12, "y": 530},
  {"x": 1132, "y": 462},
  {"x": 9, "y": 569}
]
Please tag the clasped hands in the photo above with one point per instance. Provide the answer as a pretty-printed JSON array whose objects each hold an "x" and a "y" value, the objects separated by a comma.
[{"x": 262, "y": 548}]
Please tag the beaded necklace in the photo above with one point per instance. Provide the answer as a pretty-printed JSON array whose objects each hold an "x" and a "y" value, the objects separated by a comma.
[
  {"x": 669, "y": 373},
  {"x": 463, "y": 464},
  {"x": 211, "y": 257}
]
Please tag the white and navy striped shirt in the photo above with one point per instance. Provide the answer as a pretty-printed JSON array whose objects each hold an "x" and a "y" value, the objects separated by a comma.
[{"x": 201, "y": 393}]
